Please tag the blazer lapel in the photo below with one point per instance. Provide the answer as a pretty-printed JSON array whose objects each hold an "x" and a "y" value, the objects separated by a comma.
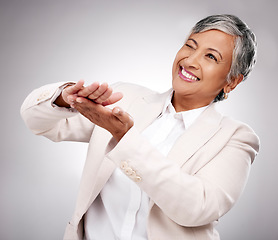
[
  {"x": 205, "y": 126},
  {"x": 146, "y": 109}
]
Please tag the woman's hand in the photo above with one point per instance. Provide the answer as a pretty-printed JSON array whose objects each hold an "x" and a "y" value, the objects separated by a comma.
[
  {"x": 90, "y": 101},
  {"x": 115, "y": 120},
  {"x": 102, "y": 94},
  {"x": 63, "y": 99}
]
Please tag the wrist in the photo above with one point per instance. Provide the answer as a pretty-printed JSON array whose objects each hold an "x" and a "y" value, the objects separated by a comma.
[{"x": 60, "y": 102}]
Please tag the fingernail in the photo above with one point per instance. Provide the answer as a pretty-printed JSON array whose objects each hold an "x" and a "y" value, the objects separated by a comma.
[{"x": 79, "y": 100}]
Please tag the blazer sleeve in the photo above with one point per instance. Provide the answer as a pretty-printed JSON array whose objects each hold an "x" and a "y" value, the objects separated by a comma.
[
  {"x": 189, "y": 200},
  {"x": 42, "y": 117}
]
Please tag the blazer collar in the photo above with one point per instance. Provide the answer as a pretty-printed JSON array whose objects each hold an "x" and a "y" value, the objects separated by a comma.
[{"x": 146, "y": 109}]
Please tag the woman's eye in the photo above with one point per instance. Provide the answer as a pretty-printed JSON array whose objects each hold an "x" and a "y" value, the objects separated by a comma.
[
  {"x": 211, "y": 56},
  {"x": 189, "y": 46}
]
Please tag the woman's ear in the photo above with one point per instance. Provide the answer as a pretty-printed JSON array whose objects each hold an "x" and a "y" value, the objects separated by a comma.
[{"x": 233, "y": 83}]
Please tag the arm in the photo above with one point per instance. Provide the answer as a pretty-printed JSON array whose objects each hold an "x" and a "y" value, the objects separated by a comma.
[
  {"x": 190, "y": 200},
  {"x": 46, "y": 111},
  {"x": 42, "y": 117}
]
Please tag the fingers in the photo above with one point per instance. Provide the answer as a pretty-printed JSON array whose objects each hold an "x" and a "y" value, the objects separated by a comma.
[
  {"x": 104, "y": 94},
  {"x": 71, "y": 100},
  {"x": 86, "y": 91},
  {"x": 70, "y": 91},
  {"x": 74, "y": 88},
  {"x": 116, "y": 121},
  {"x": 115, "y": 97},
  {"x": 81, "y": 103},
  {"x": 101, "y": 94},
  {"x": 96, "y": 92}
]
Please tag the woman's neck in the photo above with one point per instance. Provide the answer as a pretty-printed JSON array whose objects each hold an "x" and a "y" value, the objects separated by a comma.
[{"x": 186, "y": 103}]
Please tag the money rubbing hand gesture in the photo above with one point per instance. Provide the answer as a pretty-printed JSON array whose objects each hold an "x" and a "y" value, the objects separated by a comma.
[{"x": 90, "y": 101}]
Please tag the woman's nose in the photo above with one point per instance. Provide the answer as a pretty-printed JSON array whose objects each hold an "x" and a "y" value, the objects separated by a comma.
[{"x": 192, "y": 60}]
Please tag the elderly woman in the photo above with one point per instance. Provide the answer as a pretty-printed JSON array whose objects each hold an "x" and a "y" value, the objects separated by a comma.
[{"x": 159, "y": 166}]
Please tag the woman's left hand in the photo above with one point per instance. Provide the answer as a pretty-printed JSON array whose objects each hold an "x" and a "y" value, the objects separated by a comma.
[{"x": 115, "y": 120}]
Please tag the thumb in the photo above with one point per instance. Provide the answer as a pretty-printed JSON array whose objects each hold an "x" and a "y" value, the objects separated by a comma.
[{"x": 123, "y": 116}]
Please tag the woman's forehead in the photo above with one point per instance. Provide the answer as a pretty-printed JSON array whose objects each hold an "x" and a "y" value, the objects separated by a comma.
[{"x": 215, "y": 39}]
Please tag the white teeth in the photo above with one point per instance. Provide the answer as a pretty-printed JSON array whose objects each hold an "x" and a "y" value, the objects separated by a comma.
[{"x": 187, "y": 75}]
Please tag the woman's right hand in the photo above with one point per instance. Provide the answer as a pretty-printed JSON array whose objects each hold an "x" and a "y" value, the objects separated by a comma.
[
  {"x": 101, "y": 94},
  {"x": 63, "y": 100}
]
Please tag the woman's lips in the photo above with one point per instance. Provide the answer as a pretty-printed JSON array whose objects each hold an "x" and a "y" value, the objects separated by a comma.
[{"x": 187, "y": 76}]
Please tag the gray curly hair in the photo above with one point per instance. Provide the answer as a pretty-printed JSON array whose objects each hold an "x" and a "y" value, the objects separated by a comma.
[{"x": 245, "y": 51}]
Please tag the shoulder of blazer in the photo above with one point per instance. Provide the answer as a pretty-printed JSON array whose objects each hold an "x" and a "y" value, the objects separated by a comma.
[
  {"x": 241, "y": 131},
  {"x": 133, "y": 92},
  {"x": 211, "y": 121},
  {"x": 227, "y": 123}
]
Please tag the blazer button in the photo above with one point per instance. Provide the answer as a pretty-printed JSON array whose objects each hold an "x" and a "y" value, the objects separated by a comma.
[
  {"x": 137, "y": 179},
  {"x": 133, "y": 174},
  {"x": 43, "y": 95},
  {"x": 128, "y": 171},
  {"x": 123, "y": 165}
]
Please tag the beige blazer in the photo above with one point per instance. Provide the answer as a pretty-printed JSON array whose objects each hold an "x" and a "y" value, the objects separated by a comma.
[{"x": 198, "y": 182}]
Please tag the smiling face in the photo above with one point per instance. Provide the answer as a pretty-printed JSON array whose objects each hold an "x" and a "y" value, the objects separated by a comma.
[{"x": 200, "y": 69}]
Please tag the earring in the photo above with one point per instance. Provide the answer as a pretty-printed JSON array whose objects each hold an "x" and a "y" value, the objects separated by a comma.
[{"x": 225, "y": 95}]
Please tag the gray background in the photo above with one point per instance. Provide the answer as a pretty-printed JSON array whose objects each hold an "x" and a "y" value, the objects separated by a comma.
[{"x": 136, "y": 41}]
